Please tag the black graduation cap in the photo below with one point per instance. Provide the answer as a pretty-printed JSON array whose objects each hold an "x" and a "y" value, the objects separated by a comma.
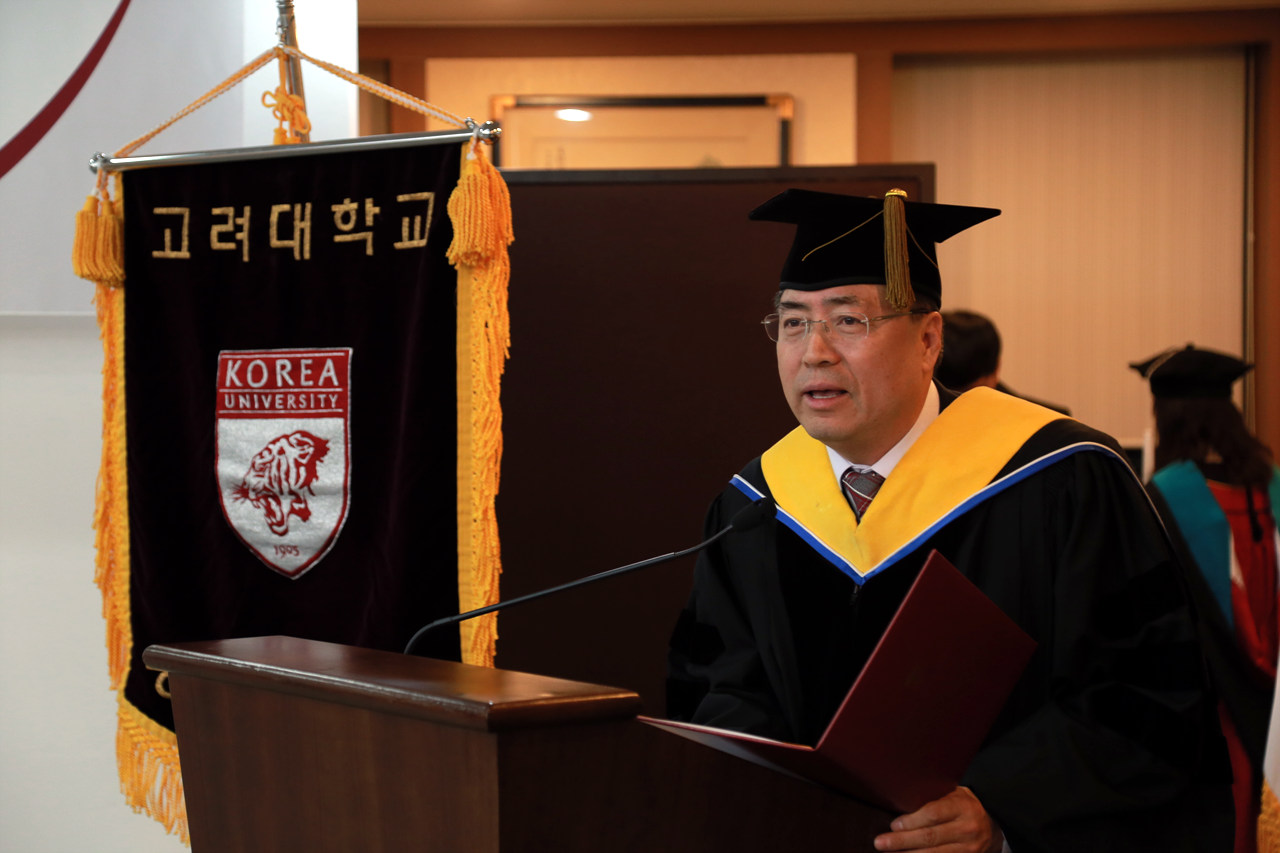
[
  {"x": 843, "y": 239},
  {"x": 1191, "y": 372}
]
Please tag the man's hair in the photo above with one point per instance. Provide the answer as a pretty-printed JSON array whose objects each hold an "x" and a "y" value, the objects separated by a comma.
[
  {"x": 970, "y": 349},
  {"x": 1202, "y": 429}
]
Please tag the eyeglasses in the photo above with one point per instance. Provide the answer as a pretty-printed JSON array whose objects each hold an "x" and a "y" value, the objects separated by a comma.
[{"x": 792, "y": 328}]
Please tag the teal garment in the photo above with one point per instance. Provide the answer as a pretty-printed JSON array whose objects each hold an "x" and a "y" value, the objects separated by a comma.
[{"x": 1204, "y": 525}]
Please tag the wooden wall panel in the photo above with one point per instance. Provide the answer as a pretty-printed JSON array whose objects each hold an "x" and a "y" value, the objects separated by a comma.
[{"x": 1124, "y": 212}]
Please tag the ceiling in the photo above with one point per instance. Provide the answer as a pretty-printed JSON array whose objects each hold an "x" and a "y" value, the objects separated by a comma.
[{"x": 616, "y": 12}]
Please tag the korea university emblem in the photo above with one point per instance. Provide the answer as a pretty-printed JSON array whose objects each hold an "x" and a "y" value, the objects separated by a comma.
[{"x": 283, "y": 451}]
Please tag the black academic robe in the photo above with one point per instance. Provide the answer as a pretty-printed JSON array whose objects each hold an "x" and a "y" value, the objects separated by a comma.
[{"x": 1109, "y": 740}]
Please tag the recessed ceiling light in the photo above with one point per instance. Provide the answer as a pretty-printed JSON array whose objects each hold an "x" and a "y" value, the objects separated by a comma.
[{"x": 573, "y": 115}]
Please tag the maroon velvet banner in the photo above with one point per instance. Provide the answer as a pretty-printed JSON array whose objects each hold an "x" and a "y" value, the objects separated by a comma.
[{"x": 290, "y": 402}]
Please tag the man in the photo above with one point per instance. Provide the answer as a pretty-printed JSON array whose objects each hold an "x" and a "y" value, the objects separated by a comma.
[
  {"x": 1109, "y": 739},
  {"x": 971, "y": 356}
]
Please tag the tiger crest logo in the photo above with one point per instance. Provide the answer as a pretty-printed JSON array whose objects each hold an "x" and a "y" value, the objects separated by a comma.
[
  {"x": 280, "y": 476},
  {"x": 283, "y": 451}
]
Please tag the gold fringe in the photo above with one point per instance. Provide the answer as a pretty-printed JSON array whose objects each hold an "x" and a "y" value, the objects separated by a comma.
[
  {"x": 146, "y": 752},
  {"x": 897, "y": 274},
  {"x": 480, "y": 209},
  {"x": 1269, "y": 821},
  {"x": 150, "y": 774},
  {"x": 111, "y": 510}
]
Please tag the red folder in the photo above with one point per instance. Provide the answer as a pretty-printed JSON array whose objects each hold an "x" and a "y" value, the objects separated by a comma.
[{"x": 917, "y": 713}]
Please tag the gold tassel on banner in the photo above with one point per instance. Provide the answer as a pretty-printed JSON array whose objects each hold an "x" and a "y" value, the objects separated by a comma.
[
  {"x": 480, "y": 209},
  {"x": 97, "y": 253},
  {"x": 897, "y": 274}
]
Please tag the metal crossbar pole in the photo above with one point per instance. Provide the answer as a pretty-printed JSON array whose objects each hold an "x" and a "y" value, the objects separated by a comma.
[{"x": 487, "y": 132}]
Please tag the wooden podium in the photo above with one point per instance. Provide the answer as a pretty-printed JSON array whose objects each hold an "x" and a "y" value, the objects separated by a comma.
[{"x": 296, "y": 745}]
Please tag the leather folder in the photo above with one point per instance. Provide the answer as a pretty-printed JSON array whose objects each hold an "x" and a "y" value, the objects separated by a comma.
[{"x": 919, "y": 709}]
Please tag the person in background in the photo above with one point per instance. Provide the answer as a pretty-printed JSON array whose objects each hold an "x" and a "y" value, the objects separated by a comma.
[
  {"x": 1218, "y": 490},
  {"x": 1109, "y": 741},
  {"x": 971, "y": 356}
]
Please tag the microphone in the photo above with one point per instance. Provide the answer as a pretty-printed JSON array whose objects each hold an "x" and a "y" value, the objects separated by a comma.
[{"x": 749, "y": 516}]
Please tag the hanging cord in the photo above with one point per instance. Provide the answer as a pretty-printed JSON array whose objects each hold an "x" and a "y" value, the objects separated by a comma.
[
  {"x": 279, "y": 52},
  {"x": 222, "y": 88},
  {"x": 382, "y": 90},
  {"x": 285, "y": 105}
]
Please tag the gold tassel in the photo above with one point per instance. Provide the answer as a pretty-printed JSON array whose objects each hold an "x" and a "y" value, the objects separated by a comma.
[
  {"x": 897, "y": 274},
  {"x": 480, "y": 209},
  {"x": 97, "y": 252}
]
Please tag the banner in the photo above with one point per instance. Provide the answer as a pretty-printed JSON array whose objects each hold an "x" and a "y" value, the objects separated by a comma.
[{"x": 284, "y": 447}]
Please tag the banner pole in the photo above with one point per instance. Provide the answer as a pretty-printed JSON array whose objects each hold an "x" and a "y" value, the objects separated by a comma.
[
  {"x": 286, "y": 31},
  {"x": 488, "y": 132}
]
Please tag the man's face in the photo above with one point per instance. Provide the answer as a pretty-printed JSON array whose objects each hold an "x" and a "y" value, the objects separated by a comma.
[{"x": 857, "y": 396}]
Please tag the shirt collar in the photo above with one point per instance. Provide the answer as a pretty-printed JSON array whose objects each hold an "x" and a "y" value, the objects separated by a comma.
[{"x": 885, "y": 465}]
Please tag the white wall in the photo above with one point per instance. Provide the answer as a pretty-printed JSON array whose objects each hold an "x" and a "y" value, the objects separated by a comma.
[
  {"x": 59, "y": 791},
  {"x": 58, "y": 785},
  {"x": 164, "y": 56}
]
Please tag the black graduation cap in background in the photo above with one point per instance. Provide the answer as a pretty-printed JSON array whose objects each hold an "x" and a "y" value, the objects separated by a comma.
[
  {"x": 843, "y": 239},
  {"x": 1191, "y": 372}
]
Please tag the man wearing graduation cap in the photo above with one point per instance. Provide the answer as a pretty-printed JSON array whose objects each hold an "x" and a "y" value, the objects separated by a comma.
[{"x": 1109, "y": 741}]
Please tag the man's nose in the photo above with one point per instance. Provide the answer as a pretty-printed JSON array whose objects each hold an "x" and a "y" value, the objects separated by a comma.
[{"x": 818, "y": 347}]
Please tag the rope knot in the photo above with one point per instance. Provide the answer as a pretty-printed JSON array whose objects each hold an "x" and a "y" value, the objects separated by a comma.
[{"x": 287, "y": 108}]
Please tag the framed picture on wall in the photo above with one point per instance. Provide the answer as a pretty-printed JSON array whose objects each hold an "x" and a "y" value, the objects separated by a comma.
[{"x": 643, "y": 132}]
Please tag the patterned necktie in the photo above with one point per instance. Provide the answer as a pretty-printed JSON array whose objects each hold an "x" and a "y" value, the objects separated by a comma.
[{"x": 859, "y": 488}]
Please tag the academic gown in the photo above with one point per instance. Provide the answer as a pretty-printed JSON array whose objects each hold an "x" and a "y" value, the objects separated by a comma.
[
  {"x": 1241, "y": 658},
  {"x": 1109, "y": 740}
]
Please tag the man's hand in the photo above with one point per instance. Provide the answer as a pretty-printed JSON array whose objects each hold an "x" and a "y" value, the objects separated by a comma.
[{"x": 957, "y": 823}]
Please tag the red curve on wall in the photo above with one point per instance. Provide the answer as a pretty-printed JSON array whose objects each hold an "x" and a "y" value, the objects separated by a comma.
[{"x": 27, "y": 138}]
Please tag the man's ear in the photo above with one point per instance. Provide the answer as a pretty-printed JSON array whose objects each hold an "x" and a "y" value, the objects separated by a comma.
[{"x": 931, "y": 337}]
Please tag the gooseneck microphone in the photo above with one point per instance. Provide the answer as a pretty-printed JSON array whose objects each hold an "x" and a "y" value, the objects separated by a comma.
[{"x": 749, "y": 516}]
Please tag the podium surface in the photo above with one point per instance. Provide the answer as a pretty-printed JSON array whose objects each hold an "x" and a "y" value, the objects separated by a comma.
[{"x": 298, "y": 745}]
